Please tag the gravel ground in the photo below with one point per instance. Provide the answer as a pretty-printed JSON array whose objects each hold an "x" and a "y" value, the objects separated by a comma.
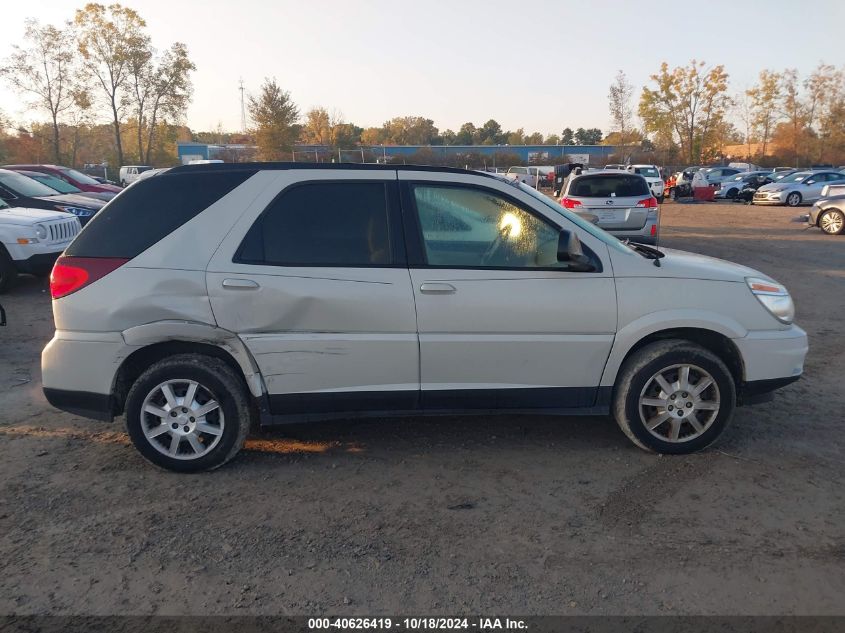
[{"x": 509, "y": 514}]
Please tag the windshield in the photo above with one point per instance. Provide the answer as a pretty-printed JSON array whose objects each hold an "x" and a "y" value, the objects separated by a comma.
[
  {"x": 23, "y": 186},
  {"x": 649, "y": 172},
  {"x": 576, "y": 219},
  {"x": 796, "y": 177},
  {"x": 54, "y": 183},
  {"x": 78, "y": 176}
]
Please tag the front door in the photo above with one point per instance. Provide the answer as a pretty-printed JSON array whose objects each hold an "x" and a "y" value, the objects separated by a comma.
[
  {"x": 502, "y": 323},
  {"x": 317, "y": 287}
]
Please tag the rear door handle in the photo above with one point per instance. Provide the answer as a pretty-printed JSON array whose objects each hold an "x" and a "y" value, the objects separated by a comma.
[
  {"x": 240, "y": 284},
  {"x": 429, "y": 288}
]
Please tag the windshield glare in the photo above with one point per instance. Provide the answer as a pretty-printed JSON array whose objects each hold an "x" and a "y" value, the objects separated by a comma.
[
  {"x": 589, "y": 227},
  {"x": 796, "y": 177},
  {"x": 24, "y": 186},
  {"x": 78, "y": 176}
]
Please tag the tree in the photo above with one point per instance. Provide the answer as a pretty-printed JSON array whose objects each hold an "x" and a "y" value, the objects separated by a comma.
[
  {"x": 410, "y": 130},
  {"x": 764, "y": 99},
  {"x": 567, "y": 137},
  {"x": 317, "y": 128},
  {"x": 687, "y": 102},
  {"x": 275, "y": 117},
  {"x": 491, "y": 134},
  {"x": 823, "y": 90},
  {"x": 621, "y": 113},
  {"x": 591, "y": 136},
  {"x": 110, "y": 39},
  {"x": 160, "y": 89},
  {"x": 552, "y": 139},
  {"x": 517, "y": 137},
  {"x": 373, "y": 136},
  {"x": 44, "y": 70},
  {"x": 795, "y": 112},
  {"x": 449, "y": 137},
  {"x": 466, "y": 135}
]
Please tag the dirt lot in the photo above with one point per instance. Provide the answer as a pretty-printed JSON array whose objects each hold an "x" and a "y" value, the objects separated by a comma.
[{"x": 525, "y": 515}]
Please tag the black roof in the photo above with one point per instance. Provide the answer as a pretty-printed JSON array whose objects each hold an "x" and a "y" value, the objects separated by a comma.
[{"x": 256, "y": 166}]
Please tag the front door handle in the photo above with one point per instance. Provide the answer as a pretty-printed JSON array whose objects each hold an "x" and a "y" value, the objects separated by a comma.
[
  {"x": 429, "y": 288},
  {"x": 240, "y": 284}
]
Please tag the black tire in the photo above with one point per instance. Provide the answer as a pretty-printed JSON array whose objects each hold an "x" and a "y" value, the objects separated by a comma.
[
  {"x": 221, "y": 382},
  {"x": 8, "y": 272},
  {"x": 732, "y": 194},
  {"x": 793, "y": 199},
  {"x": 638, "y": 370},
  {"x": 660, "y": 199},
  {"x": 833, "y": 214}
]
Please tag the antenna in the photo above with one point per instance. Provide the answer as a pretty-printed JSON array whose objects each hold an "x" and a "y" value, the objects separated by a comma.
[{"x": 243, "y": 109}]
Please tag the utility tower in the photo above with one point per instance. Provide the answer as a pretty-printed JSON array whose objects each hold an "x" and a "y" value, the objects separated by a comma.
[{"x": 243, "y": 108}]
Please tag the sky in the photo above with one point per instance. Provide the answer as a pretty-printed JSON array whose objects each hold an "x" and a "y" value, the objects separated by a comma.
[{"x": 541, "y": 65}]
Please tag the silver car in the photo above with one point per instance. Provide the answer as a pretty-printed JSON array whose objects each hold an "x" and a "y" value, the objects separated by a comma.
[
  {"x": 730, "y": 187},
  {"x": 828, "y": 213},
  {"x": 799, "y": 188},
  {"x": 622, "y": 202}
]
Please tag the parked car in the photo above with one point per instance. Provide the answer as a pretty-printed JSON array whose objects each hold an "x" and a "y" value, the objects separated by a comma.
[
  {"x": 828, "y": 213},
  {"x": 750, "y": 187},
  {"x": 528, "y": 175},
  {"x": 299, "y": 299},
  {"x": 622, "y": 201},
  {"x": 730, "y": 188},
  {"x": 799, "y": 188},
  {"x": 18, "y": 190},
  {"x": 31, "y": 240},
  {"x": 615, "y": 166},
  {"x": 62, "y": 186},
  {"x": 129, "y": 173},
  {"x": 683, "y": 183},
  {"x": 72, "y": 176},
  {"x": 652, "y": 176},
  {"x": 715, "y": 175}
]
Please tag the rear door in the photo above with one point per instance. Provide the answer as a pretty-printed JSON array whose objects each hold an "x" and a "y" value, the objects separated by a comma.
[
  {"x": 316, "y": 285},
  {"x": 614, "y": 198}
]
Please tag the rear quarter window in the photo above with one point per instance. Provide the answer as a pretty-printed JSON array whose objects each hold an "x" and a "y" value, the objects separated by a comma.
[
  {"x": 609, "y": 185},
  {"x": 150, "y": 210}
]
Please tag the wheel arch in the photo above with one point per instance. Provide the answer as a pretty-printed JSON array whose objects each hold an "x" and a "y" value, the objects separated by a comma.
[
  {"x": 715, "y": 335},
  {"x": 156, "y": 341}
]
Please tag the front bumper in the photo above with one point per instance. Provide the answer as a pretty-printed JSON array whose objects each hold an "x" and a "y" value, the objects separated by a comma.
[
  {"x": 38, "y": 264},
  {"x": 773, "y": 354},
  {"x": 813, "y": 216},
  {"x": 769, "y": 198}
]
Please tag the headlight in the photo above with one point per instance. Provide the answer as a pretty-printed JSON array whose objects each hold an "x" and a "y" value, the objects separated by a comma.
[
  {"x": 774, "y": 297},
  {"x": 41, "y": 231},
  {"x": 81, "y": 212}
]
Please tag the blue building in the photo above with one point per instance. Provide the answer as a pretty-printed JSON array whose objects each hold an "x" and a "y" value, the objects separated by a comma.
[{"x": 592, "y": 154}]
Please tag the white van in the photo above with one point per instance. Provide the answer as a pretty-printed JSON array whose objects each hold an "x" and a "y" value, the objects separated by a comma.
[
  {"x": 317, "y": 291},
  {"x": 130, "y": 173}
]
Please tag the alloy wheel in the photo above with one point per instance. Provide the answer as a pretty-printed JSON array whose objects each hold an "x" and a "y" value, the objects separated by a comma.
[
  {"x": 831, "y": 222},
  {"x": 793, "y": 199},
  {"x": 182, "y": 419},
  {"x": 679, "y": 403}
]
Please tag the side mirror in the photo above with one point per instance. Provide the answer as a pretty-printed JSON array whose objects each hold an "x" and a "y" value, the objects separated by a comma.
[
  {"x": 809, "y": 182},
  {"x": 569, "y": 250}
]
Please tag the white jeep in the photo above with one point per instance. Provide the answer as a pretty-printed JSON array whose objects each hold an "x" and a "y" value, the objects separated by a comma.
[{"x": 31, "y": 240}]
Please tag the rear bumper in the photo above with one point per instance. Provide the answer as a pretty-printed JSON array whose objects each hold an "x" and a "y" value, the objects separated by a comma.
[
  {"x": 643, "y": 235},
  {"x": 89, "y": 405}
]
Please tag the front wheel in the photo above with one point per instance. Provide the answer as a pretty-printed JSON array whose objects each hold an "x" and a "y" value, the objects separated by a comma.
[
  {"x": 188, "y": 413},
  {"x": 793, "y": 199},
  {"x": 674, "y": 397},
  {"x": 832, "y": 222}
]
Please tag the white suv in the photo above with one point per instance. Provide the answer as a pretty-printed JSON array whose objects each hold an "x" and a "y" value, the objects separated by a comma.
[
  {"x": 652, "y": 176},
  {"x": 31, "y": 240},
  {"x": 209, "y": 297}
]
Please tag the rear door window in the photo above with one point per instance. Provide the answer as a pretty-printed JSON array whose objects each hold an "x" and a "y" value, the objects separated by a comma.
[
  {"x": 151, "y": 209},
  {"x": 322, "y": 224},
  {"x": 609, "y": 186}
]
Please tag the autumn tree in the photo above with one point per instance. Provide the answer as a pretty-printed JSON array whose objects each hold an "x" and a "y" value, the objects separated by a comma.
[
  {"x": 621, "y": 112},
  {"x": 160, "y": 91},
  {"x": 794, "y": 111},
  {"x": 823, "y": 89},
  {"x": 764, "y": 99},
  {"x": 109, "y": 40},
  {"x": 274, "y": 116},
  {"x": 410, "y": 130},
  {"x": 687, "y": 102},
  {"x": 44, "y": 70}
]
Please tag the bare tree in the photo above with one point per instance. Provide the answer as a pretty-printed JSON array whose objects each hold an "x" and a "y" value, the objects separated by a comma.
[
  {"x": 621, "y": 111},
  {"x": 44, "y": 70}
]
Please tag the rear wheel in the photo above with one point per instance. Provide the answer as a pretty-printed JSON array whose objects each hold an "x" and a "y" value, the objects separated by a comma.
[
  {"x": 674, "y": 397},
  {"x": 8, "y": 272},
  {"x": 793, "y": 199},
  {"x": 832, "y": 222},
  {"x": 188, "y": 413}
]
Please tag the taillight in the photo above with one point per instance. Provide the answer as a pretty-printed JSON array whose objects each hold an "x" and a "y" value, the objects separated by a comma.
[
  {"x": 648, "y": 203},
  {"x": 74, "y": 273},
  {"x": 569, "y": 203}
]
